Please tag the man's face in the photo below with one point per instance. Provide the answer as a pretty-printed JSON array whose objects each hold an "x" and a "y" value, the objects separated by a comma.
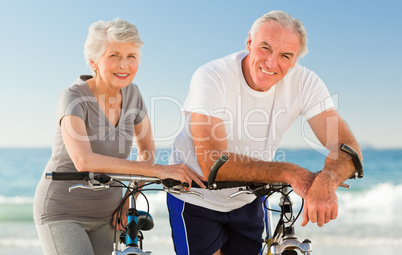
[{"x": 272, "y": 52}]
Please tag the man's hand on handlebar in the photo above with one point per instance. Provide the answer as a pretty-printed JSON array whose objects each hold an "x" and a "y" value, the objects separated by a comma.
[
  {"x": 302, "y": 181},
  {"x": 321, "y": 202}
]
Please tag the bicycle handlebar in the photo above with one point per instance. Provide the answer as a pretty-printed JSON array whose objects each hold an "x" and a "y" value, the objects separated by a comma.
[
  {"x": 212, "y": 185},
  {"x": 356, "y": 161},
  {"x": 68, "y": 176},
  {"x": 99, "y": 181},
  {"x": 171, "y": 185},
  {"x": 214, "y": 169},
  {"x": 101, "y": 178}
]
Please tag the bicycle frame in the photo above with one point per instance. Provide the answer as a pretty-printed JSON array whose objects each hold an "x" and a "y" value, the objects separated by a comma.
[
  {"x": 283, "y": 240},
  {"x": 133, "y": 237},
  {"x": 132, "y": 246}
]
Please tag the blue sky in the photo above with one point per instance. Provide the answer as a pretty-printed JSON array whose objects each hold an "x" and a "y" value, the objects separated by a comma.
[{"x": 354, "y": 46}]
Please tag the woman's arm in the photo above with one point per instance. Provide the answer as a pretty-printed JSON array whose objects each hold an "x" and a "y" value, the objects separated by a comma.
[
  {"x": 78, "y": 147},
  {"x": 145, "y": 141}
]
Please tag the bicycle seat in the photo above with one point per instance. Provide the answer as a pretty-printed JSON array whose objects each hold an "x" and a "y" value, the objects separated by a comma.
[{"x": 145, "y": 221}]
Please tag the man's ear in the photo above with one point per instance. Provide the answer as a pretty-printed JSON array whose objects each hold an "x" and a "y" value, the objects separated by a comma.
[
  {"x": 249, "y": 41},
  {"x": 294, "y": 62}
]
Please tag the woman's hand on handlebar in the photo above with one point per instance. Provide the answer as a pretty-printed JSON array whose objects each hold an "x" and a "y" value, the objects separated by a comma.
[{"x": 181, "y": 173}]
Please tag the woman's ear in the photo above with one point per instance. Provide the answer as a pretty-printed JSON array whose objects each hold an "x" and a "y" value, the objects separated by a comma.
[{"x": 93, "y": 65}]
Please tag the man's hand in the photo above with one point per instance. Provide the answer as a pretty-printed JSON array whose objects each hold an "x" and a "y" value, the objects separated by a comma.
[
  {"x": 321, "y": 202},
  {"x": 301, "y": 181}
]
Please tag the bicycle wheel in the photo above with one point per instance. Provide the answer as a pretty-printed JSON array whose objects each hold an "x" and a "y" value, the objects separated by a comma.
[{"x": 289, "y": 252}]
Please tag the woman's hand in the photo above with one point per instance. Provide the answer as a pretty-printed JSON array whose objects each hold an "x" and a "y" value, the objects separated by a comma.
[{"x": 181, "y": 173}]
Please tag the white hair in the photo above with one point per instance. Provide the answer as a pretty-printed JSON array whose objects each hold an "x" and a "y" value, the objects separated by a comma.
[
  {"x": 287, "y": 21},
  {"x": 102, "y": 32}
]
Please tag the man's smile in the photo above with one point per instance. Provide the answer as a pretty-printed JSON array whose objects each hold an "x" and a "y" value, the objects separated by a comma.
[{"x": 267, "y": 72}]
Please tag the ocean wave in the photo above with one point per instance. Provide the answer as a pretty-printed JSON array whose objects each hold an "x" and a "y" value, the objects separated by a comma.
[
  {"x": 347, "y": 240},
  {"x": 15, "y": 200},
  {"x": 382, "y": 201},
  {"x": 19, "y": 242},
  {"x": 378, "y": 205}
]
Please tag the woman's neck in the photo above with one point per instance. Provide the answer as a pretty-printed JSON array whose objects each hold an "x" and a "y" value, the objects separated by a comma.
[{"x": 106, "y": 95}]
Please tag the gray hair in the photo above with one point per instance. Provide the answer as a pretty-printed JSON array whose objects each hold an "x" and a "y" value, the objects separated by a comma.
[
  {"x": 102, "y": 32},
  {"x": 287, "y": 21}
]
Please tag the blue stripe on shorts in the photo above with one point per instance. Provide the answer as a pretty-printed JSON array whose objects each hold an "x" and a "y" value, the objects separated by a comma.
[
  {"x": 200, "y": 231},
  {"x": 179, "y": 235}
]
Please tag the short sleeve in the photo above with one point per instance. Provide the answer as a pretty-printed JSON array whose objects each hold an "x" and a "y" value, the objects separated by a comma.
[
  {"x": 70, "y": 102},
  {"x": 315, "y": 97},
  {"x": 206, "y": 95},
  {"x": 138, "y": 105}
]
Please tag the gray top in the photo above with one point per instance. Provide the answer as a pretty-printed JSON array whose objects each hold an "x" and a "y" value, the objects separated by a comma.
[{"x": 52, "y": 200}]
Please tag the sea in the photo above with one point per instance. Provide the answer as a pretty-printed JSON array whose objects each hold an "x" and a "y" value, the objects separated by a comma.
[{"x": 369, "y": 220}]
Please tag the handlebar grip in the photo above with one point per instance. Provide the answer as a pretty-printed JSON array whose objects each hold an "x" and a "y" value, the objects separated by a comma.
[
  {"x": 68, "y": 176},
  {"x": 195, "y": 185},
  {"x": 356, "y": 160},
  {"x": 170, "y": 183},
  {"x": 214, "y": 169}
]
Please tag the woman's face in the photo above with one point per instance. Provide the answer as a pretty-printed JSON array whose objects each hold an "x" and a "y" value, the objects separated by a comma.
[{"x": 118, "y": 65}]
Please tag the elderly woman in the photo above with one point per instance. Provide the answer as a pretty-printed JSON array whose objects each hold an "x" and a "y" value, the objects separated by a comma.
[{"x": 98, "y": 117}]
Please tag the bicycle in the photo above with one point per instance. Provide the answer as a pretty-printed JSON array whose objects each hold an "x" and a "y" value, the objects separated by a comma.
[
  {"x": 282, "y": 240},
  {"x": 131, "y": 239}
]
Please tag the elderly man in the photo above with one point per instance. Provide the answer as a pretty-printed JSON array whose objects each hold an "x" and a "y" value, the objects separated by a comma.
[{"x": 242, "y": 105}]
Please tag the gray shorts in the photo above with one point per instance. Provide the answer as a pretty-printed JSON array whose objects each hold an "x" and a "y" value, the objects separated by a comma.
[{"x": 68, "y": 237}]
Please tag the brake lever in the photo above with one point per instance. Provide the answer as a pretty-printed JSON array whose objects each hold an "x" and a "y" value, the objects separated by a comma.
[
  {"x": 192, "y": 192},
  {"x": 178, "y": 189},
  {"x": 259, "y": 190},
  {"x": 90, "y": 187},
  {"x": 242, "y": 191}
]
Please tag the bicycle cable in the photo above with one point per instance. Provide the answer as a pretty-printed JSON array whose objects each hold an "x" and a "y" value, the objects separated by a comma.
[
  {"x": 283, "y": 214},
  {"x": 131, "y": 192}
]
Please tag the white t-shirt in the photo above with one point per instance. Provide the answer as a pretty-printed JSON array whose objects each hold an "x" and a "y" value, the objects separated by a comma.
[{"x": 255, "y": 122}]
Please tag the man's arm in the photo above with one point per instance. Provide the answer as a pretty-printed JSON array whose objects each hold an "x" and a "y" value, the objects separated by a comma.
[
  {"x": 209, "y": 138},
  {"x": 321, "y": 202}
]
